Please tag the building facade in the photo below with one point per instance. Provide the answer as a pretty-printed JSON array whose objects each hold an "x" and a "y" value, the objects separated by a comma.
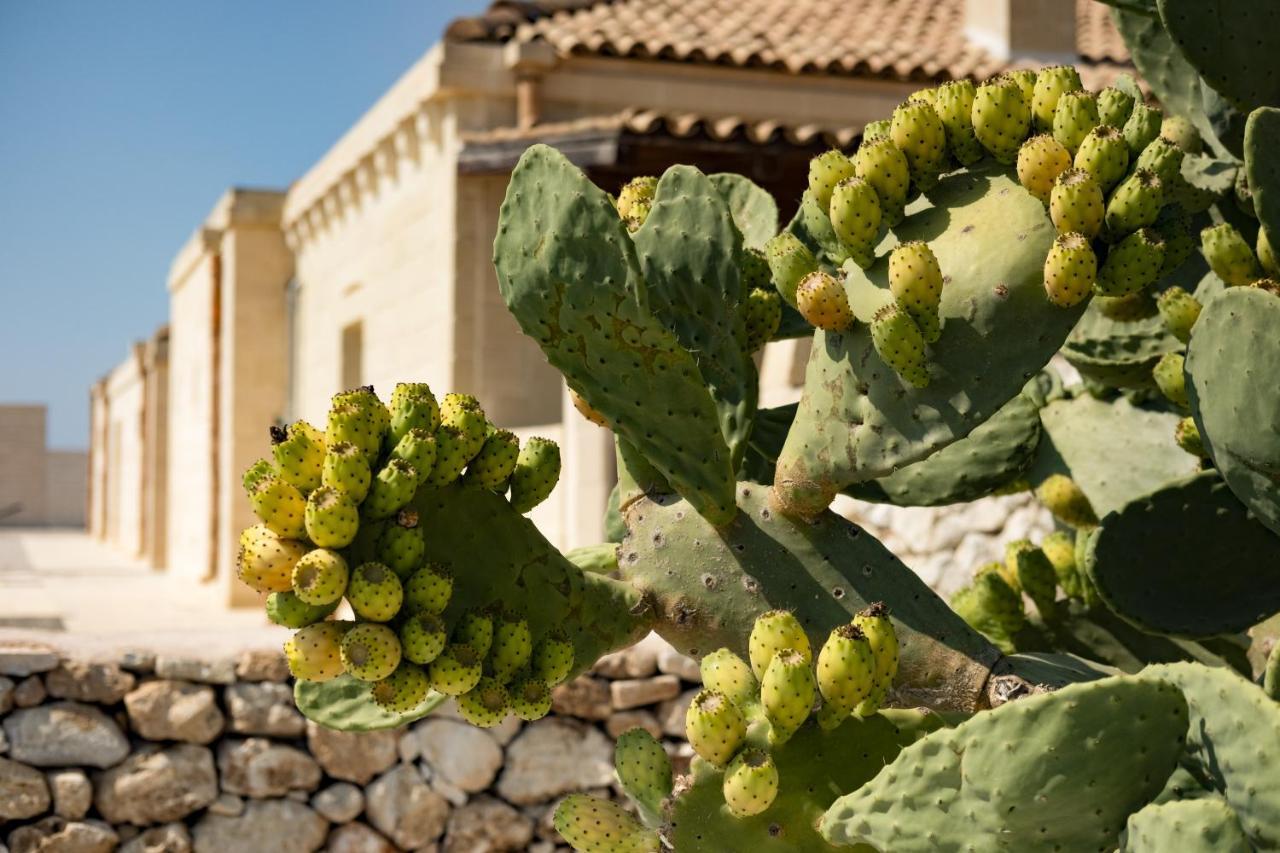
[{"x": 39, "y": 487}]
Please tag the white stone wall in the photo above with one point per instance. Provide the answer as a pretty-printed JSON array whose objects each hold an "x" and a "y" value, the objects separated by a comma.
[
  {"x": 22, "y": 473},
  {"x": 66, "y": 482},
  {"x": 126, "y": 401}
]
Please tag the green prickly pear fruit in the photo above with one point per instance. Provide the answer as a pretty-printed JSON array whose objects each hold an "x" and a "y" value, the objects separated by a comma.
[
  {"x": 1187, "y": 436},
  {"x": 846, "y": 674},
  {"x": 772, "y": 632},
  {"x": 1169, "y": 379},
  {"x": 1076, "y": 203},
  {"x": 1132, "y": 264},
  {"x": 991, "y": 607},
  {"x": 635, "y": 200},
  {"x": 512, "y": 648},
  {"x": 1266, "y": 253},
  {"x": 1114, "y": 107},
  {"x": 456, "y": 670},
  {"x": 1164, "y": 158},
  {"x": 265, "y": 561},
  {"x": 1070, "y": 269},
  {"x": 1041, "y": 159},
  {"x": 1036, "y": 575},
  {"x": 750, "y": 783},
  {"x": 331, "y": 518},
  {"x": 1051, "y": 84},
  {"x": 1179, "y": 310},
  {"x": 289, "y": 611},
  {"x": 451, "y": 455},
  {"x": 418, "y": 448},
  {"x": 1007, "y": 571},
  {"x": 401, "y": 546},
  {"x": 1228, "y": 255},
  {"x": 320, "y": 577},
  {"x": 787, "y": 692},
  {"x": 855, "y": 214},
  {"x": 826, "y": 171},
  {"x": 299, "y": 454},
  {"x": 875, "y": 625},
  {"x": 475, "y": 629},
  {"x": 1060, "y": 548},
  {"x": 714, "y": 727},
  {"x": 754, "y": 270},
  {"x": 280, "y": 506},
  {"x": 485, "y": 705},
  {"x": 593, "y": 825},
  {"x": 926, "y": 95},
  {"x": 367, "y": 401},
  {"x": 392, "y": 488},
  {"x": 1142, "y": 127},
  {"x": 402, "y": 690},
  {"x": 422, "y": 637},
  {"x": 915, "y": 280},
  {"x": 1103, "y": 154},
  {"x": 1181, "y": 132},
  {"x": 314, "y": 652},
  {"x": 1075, "y": 115},
  {"x": 953, "y": 102},
  {"x": 412, "y": 406},
  {"x": 346, "y": 469},
  {"x": 358, "y": 417},
  {"x": 1025, "y": 78},
  {"x": 916, "y": 129},
  {"x": 762, "y": 314},
  {"x": 536, "y": 473},
  {"x": 374, "y": 592},
  {"x": 789, "y": 262},
  {"x": 725, "y": 672},
  {"x": 370, "y": 652},
  {"x": 900, "y": 344},
  {"x": 492, "y": 466},
  {"x": 463, "y": 411},
  {"x": 1001, "y": 118},
  {"x": 530, "y": 699},
  {"x": 256, "y": 473},
  {"x": 643, "y": 768},
  {"x": 876, "y": 130},
  {"x": 1068, "y": 503},
  {"x": 429, "y": 589},
  {"x": 883, "y": 165},
  {"x": 553, "y": 660},
  {"x": 822, "y": 302}
]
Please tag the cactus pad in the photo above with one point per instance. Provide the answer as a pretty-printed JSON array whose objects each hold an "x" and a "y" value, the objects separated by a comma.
[
  {"x": 1232, "y": 43},
  {"x": 346, "y": 703},
  {"x": 1203, "y": 825}
]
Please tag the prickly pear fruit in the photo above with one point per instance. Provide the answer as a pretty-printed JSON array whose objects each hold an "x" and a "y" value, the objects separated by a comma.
[
  {"x": 280, "y": 506},
  {"x": 900, "y": 344},
  {"x": 875, "y": 625},
  {"x": 299, "y": 454},
  {"x": 593, "y": 825},
  {"x": 822, "y": 301},
  {"x": 475, "y": 629},
  {"x": 265, "y": 561},
  {"x": 1060, "y": 549},
  {"x": 725, "y": 672},
  {"x": 846, "y": 674},
  {"x": 915, "y": 279},
  {"x": 511, "y": 649},
  {"x": 314, "y": 652},
  {"x": 370, "y": 652},
  {"x": 1181, "y": 132},
  {"x": 635, "y": 199},
  {"x": 1132, "y": 264},
  {"x": 1169, "y": 379},
  {"x": 451, "y": 456},
  {"x": 493, "y": 465},
  {"x": 754, "y": 271},
  {"x": 1228, "y": 255},
  {"x": 553, "y": 660},
  {"x": 530, "y": 699},
  {"x": 991, "y": 607},
  {"x": 331, "y": 518},
  {"x": 456, "y": 670},
  {"x": 855, "y": 215},
  {"x": 1025, "y": 78},
  {"x": 1126, "y": 309},
  {"x": 320, "y": 577},
  {"x": 1041, "y": 159},
  {"x": 256, "y": 473},
  {"x": 401, "y": 546},
  {"x": 289, "y": 611},
  {"x": 826, "y": 171},
  {"x": 1103, "y": 154},
  {"x": 714, "y": 727},
  {"x": 916, "y": 129},
  {"x": 463, "y": 411},
  {"x": 1076, "y": 203},
  {"x": 418, "y": 448},
  {"x": 402, "y": 690},
  {"x": 1179, "y": 310},
  {"x": 1142, "y": 127},
  {"x": 1114, "y": 107},
  {"x": 750, "y": 783},
  {"x": 761, "y": 314},
  {"x": 429, "y": 589},
  {"x": 374, "y": 592},
  {"x": 346, "y": 469},
  {"x": 787, "y": 692},
  {"x": 1173, "y": 226},
  {"x": 772, "y": 632},
  {"x": 876, "y": 130},
  {"x": 883, "y": 165},
  {"x": 953, "y": 102},
  {"x": 422, "y": 637},
  {"x": 1036, "y": 575},
  {"x": 485, "y": 705},
  {"x": 1062, "y": 497},
  {"x": 1073, "y": 118},
  {"x": 392, "y": 488},
  {"x": 1001, "y": 118},
  {"x": 1070, "y": 269},
  {"x": 412, "y": 406},
  {"x": 358, "y": 417},
  {"x": 1266, "y": 253},
  {"x": 1164, "y": 158},
  {"x": 1187, "y": 436},
  {"x": 1051, "y": 84},
  {"x": 536, "y": 473},
  {"x": 643, "y": 768},
  {"x": 789, "y": 262}
]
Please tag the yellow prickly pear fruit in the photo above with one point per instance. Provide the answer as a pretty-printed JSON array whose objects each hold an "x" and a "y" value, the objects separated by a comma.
[
  {"x": 1041, "y": 159},
  {"x": 855, "y": 214},
  {"x": 846, "y": 674},
  {"x": 280, "y": 506},
  {"x": 875, "y": 625},
  {"x": 1068, "y": 503},
  {"x": 881, "y": 163},
  {"x": 1076, "y": 203},
  {"x": 299, "y": 454},
  {"x": 916, "y": 129},
  {"x": 787, "y": 692},
  {"x": 1001, "y": 117},
  {"x": 636, "y": 199},
  {"x": 1179, "y": 310},
  {"x": 773, "y": 632},
  {"x": 821, "y": 300},
  {"x": 1051, "y": 84},
  {"x": 714, "y": 727},
  {"x": 265, "y": 561},
  {"x": 1070, "y": 270},
  {"x": 1103, "y": 154},
  {"x": 1170, "y": 380},
  {"x": 314, "y": 652},
  {"x": 900, "y": 344},
  {"x": 750, "y": 783},
  {"x": 826, "y": 171},
  {"x": 724, "y": 671},
  {"x": 915, "y": 279},
  {"x": 1229, "y": 255}
]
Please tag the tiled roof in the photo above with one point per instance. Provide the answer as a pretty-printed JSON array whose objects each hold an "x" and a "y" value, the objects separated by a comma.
[{"x": 895, "y": 39}]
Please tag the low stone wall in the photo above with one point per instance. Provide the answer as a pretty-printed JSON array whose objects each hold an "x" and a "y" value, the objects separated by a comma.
[{"x": 168, "y": 754}]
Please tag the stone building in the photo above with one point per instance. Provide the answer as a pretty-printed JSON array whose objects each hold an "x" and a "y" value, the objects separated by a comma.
[
  {"x": 38, "y": 486},
  {"x": 375, "y": 265}
]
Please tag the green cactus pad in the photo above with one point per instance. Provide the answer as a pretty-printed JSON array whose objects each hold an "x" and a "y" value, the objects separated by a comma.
[
  {"x": 1204, "y": 825},
  {"x": 699, "y": 822},
  {"x": 857, "y": 420},
  {"x": 1232, "y": 43},
  {"x": 1261, "y": 142},
  {"x": 1081, "y": 765},
  {"x": 754, "y": 210},
  {"x": 709, "y": 585},
  {"x": 1100, "y": 635},
  {"x": 595, "y": 559},
  {"x": 1231, "y": 382},
  {"x": 1271, "y": 674},
  {"x": 346, "y": 704},
  {"x": 569, "y": 274},
  {"x": 1187, "y": 560},
  {"x": 1118, "y": 353}
]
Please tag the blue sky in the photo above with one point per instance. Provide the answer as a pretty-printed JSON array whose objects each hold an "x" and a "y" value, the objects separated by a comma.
[{"x": 120, "y": 125}]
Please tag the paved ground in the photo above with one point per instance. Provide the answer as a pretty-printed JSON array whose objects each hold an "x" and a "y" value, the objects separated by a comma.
[{"x": 61, "y": 587}]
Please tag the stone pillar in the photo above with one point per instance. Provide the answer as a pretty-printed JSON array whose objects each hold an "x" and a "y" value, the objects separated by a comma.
[
  {"x": 98, "y": 459},
  {"x": 155, "y": 430},
  {"x": 1039, "y": 30},
  {"x": 588, "y": 472}
]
